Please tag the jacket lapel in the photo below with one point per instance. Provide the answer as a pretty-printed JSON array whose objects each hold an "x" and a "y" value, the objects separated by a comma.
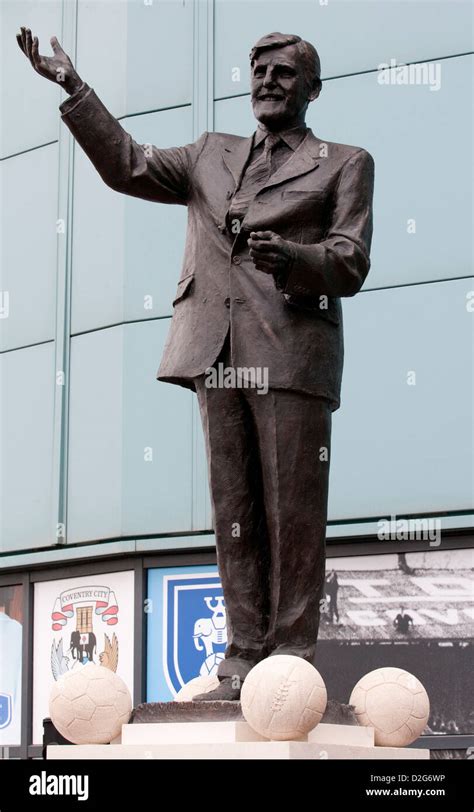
[
  {"x": 236, "y": 158},
  {"x": 304, "y": 159}
]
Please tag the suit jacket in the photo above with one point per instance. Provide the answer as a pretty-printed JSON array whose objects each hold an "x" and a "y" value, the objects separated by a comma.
[{"x": 320, "y": 200}]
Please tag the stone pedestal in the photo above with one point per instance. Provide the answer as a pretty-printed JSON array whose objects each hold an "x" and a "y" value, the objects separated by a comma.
[
  {"x": 222, "y": 751},
  {"x": 217, "y": 731},
  {"x": 224, "y": 732}
]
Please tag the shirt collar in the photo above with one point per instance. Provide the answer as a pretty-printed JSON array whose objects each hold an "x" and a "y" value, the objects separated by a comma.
[{"x": 292, "y": 137}]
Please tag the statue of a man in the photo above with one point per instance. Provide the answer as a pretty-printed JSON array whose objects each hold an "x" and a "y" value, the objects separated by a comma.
[{"x": 279, "y": 228}]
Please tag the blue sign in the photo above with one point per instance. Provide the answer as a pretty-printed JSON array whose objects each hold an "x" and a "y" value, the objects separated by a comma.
[
  {"x": 6, "y": 710},
  {"x": 187, "y": 633}
]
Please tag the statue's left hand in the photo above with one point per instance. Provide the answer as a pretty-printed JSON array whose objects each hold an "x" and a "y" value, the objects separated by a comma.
[{"x": 270, "y": 252}]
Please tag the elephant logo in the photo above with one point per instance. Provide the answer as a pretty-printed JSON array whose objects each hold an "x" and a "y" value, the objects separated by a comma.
[
  {"x": 83, "y": 645},
  {"x": 194, "y": 634},
  {"x": 210, "y": 631}
]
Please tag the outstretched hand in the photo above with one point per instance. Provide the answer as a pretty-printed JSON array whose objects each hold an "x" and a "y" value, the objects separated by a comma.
[{"x": 56, "y": 68}]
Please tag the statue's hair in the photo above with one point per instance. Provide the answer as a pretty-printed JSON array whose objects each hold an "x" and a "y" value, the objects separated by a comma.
[{"x": 308, "y": 53}]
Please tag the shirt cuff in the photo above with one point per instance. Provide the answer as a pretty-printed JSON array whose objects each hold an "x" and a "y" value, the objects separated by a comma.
[{"x": 69, "y": 104}]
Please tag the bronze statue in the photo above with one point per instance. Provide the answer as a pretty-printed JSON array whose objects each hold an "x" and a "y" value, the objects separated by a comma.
[{"x": 279, "y": 228}]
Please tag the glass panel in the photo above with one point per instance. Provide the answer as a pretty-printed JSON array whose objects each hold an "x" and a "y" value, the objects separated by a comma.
[
  {"x": 402, "y": 440},
  {"x": 27, "y": 386},
  {"x": 28, "y": 252},
  {"x": 160, "y": 54},
  {"x": 30, "y": 115},
  {"x": 95, "y": 436},
  {"x": 130, "y": 461},
  {"x": 149, "y": 52},
  {"x": 102, "y": 29},
  {"x": 157, "y": 438}
]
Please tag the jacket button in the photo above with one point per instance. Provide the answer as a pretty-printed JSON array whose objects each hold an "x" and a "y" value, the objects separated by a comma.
[
  {"x": 227, "y": 302},
  {"x": 236, "y": 260},
  {"x": 228, "y": 195}
]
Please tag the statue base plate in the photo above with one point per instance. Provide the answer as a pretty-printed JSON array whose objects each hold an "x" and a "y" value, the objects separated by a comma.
[{"x": 152, "y": 712}]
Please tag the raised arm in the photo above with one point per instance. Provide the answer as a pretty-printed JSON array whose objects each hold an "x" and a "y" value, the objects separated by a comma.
[{"x": 144, "y": 171}]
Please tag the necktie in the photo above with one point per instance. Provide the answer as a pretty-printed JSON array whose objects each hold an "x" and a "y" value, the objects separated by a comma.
[
  {"x": 256, "y": 175},
  {"x": 270, "y": 143}
]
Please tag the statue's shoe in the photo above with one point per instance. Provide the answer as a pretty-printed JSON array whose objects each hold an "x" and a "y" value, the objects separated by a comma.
[{"x": 225, "y": 692}]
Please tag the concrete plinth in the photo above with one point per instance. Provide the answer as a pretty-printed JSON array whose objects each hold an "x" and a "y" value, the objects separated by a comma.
[
  {"x": 233, "y": 751},
  {"x": 221, "y": 732}
]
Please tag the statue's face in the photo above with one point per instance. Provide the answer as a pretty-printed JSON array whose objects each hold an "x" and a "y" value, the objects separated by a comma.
[{"x": 279, "y": 91}]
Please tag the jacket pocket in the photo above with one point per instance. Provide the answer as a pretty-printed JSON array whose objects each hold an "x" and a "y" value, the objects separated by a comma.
[
  {"x": 312, "y": 304},
  {"x": 184, "y": 286},
  {"x": 297, "y": 194}
]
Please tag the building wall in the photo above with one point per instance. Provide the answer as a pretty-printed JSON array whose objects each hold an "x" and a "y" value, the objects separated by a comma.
[{"x": 90, "y": 274}]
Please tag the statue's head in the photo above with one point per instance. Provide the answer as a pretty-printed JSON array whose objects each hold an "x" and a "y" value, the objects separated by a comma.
[{"x": 285, "y": 78}]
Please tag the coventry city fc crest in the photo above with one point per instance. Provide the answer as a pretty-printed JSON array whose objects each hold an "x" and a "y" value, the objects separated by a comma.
[
  {"x": 80, "y": 614},
  {"x": 194, "y": 627}
]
